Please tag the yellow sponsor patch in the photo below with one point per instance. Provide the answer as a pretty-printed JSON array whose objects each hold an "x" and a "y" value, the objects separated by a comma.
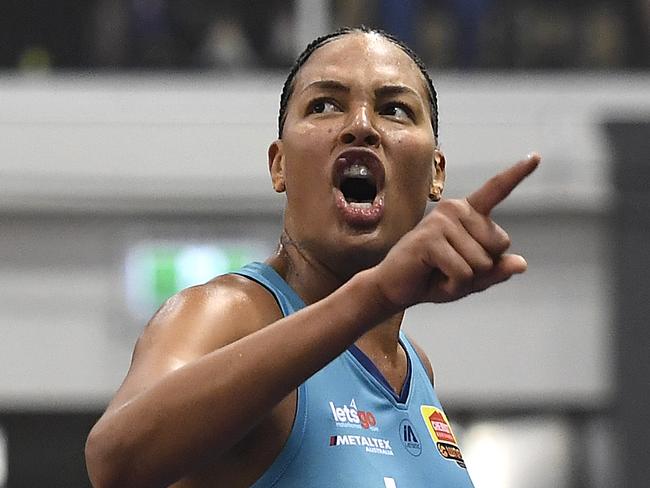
[{"x": 441, "y": 433}]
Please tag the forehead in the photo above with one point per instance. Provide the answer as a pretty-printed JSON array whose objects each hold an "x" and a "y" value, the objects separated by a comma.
[{"x": 365, "y": 58}]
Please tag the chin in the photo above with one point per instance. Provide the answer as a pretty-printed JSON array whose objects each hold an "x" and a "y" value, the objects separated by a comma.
[{"x": 362, "y": 248}]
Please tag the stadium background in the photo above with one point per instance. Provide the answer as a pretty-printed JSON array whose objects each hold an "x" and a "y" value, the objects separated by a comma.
[{"x": 133, "y": 138}]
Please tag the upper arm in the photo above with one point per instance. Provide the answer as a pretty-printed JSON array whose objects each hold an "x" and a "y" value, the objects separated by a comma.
[
  {"x": 423, "y": 359},
  {"x": 194, "y": 323}
]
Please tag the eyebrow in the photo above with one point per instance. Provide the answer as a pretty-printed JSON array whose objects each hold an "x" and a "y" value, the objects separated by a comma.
[
  {"x": 332, "y": 85},
  {"x": 388, "y": 90},
  {"x": 383, "y": 91}
]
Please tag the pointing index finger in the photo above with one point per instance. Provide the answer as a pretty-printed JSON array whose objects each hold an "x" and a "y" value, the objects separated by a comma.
[{"x": 497, "y": 188}]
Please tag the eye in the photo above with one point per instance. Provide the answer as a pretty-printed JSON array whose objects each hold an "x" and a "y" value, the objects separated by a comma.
[
  {"x": 397, "y": 111},
  {"x": 323, "y": 106}
]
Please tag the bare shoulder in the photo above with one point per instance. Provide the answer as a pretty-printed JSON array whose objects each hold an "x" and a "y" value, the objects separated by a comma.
[
  {"x": 216, "y": 313},
  {"x": 194, "y": 323},
  {"x": 200, "y": 319},
  {"x": 423, "y": 358}
]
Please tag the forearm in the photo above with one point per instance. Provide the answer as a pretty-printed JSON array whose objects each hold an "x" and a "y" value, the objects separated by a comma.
[{"x": 210, "y": 404}]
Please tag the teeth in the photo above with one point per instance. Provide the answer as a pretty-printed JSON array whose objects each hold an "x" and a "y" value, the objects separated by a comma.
[{"x": 357, "y": 170}]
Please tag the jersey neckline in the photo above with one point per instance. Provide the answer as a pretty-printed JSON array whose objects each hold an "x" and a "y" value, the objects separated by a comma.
[
  {"x": 373, "y": 371},
  {"x": 366, "y": 364}
]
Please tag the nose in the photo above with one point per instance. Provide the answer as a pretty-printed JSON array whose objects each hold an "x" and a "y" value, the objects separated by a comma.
[{"x": 360, "y": 130}]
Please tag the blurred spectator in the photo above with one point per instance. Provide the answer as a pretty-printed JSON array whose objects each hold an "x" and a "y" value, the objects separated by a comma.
[
  {"x": 355, "y": 12},
  {"x": 231, "y": 34},
  {"x": 225, "y": 45},
  {"x": 602, "y": 37},
  {"x": 435, "y": 36},
  {"x": 469, "y": 15},
  {"x": 152, "y": 37},
  {"x": 545, "y": 36},
  {"x": 188, "y": 34},
  {"x": 637, "y": 20},
  {"x": 109, "y": 33},
  {"x": 398, "y": 18},
  {"x": 268, "y": 25},
  {"x": 35, "y": 31}
]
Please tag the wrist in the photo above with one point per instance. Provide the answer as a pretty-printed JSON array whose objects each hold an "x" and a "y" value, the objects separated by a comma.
[{"x": 370, "y": 300}]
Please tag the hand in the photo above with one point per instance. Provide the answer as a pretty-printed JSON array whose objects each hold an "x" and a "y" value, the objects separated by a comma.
[{"x": 456, "y": 249}]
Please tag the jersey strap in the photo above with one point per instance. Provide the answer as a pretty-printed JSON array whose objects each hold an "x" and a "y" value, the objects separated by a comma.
[{"x": 265, "y": 275}]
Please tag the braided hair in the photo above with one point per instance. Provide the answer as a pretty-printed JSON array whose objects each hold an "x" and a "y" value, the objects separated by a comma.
[{"x": 287, "y": 88}]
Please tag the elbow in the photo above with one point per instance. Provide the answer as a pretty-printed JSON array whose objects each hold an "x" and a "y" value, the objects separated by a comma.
[
  {"x": 105, "y": 464},
  {"x": 98, "y": 463},
  {"x": 112, "y": 462}
]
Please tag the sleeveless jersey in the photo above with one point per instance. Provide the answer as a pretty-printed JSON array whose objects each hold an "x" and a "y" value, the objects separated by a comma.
[{"x": 352, "y": 430}]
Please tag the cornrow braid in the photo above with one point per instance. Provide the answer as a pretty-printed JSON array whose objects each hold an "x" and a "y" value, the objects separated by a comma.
[{"x": 287, "y": 88}]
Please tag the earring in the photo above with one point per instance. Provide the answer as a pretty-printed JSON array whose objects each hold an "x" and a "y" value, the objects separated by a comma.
[{"x": 435, "y": 194}]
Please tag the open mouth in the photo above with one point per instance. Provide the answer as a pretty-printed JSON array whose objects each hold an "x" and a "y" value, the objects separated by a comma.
[
  {"x": 358, "y": 181},
  {"x": 358, "y": 184}
]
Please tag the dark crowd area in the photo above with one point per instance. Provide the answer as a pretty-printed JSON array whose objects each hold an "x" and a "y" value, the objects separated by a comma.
[{"x": 256, "y": 34}]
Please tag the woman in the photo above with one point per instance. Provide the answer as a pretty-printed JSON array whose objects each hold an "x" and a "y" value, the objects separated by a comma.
[{"x": 294, "y": 372}]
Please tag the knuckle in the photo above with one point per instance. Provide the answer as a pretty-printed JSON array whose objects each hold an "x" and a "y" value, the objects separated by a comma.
[
  {"x": 502, "y": 242},
  {"x": 439, "y": 225},
  {"x": 464, "y": 275},
  {"x": 421, "y": 239},
  {"x": 454, "y": 207},
  {"x": 506, "y": 242},
  {"x": 457, "y": 288},
  {"x": 444, "y": 205},
  {"x": 497, "y": 241},
  {"x": 483, "y": 264}
]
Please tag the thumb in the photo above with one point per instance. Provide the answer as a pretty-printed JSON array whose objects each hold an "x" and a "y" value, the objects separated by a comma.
[{"x": 503, "y": 269}]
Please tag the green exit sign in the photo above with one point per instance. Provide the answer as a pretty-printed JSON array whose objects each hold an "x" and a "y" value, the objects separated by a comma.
[{"x": 154, "y": 271}]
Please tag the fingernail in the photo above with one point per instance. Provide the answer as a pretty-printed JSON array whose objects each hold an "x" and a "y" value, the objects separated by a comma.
[
  {"x": 534, "y": 155},
  {"x": 523, "y": 264}
]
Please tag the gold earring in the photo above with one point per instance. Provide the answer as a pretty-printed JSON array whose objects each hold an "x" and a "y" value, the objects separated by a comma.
[{"x": 435, "y": 193}]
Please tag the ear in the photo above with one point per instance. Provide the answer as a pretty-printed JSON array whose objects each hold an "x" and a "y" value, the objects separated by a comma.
[
  {"x": 276, "y": 165},
  {"x": 437, "y": 175}
]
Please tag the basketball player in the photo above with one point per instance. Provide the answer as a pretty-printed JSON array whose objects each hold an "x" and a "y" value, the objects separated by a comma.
[{"x": 294, "y": 372}]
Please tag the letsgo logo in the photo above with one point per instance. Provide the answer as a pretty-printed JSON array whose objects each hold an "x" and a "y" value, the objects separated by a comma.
[{"x": 351, "y": 416}]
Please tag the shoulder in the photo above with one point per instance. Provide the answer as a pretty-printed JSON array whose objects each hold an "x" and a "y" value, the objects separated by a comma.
[
  {"x": 216, "y": 313},
  {"x": 193, "y": 323},
  {"x": 424, "y": 359}
]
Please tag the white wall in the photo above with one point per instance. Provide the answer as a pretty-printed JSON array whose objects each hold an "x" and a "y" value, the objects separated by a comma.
[
  {"x": 122, "y": 142},
  {"x": 82, "y": 159}
]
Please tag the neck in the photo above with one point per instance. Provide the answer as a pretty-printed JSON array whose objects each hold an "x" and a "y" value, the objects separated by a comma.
[
  {"x": 310, "y": 278},
  {"x": 313, "y": 280}
]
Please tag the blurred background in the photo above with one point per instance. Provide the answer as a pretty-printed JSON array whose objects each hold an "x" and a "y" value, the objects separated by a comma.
[{"x": 133, "y": 137}]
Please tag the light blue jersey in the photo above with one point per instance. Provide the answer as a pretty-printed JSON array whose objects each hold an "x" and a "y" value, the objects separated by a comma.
[{"x": 352, "y": 430}]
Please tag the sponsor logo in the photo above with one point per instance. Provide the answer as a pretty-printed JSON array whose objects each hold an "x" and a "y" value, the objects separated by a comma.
[
  {"x": 441, "y": 434},
  {"x": 352, "y": 417},
  {"x": 372, "y": 445},
  {"x": 409, "y": 439}
]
